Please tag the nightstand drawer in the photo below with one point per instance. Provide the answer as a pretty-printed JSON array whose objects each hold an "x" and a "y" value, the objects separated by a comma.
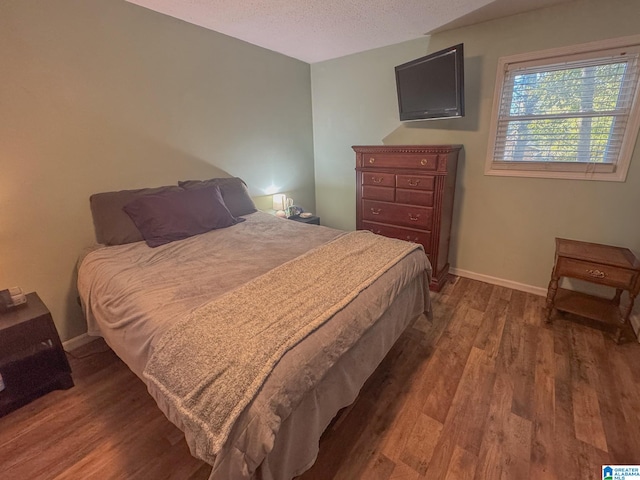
[
  {"x": 398, "y": 160},
  {"x": 415, "y": 182},
  {"x": 386, "y": 194},
  {"x": 404, "y": 215},
  {"x": 414, "y": 236},
  {"x": 378, "y": 179},
  {"x": 596, "y": 273}
]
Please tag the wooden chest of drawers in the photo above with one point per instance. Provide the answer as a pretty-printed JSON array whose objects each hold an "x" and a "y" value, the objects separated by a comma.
[{"x": 407, "y": 192}]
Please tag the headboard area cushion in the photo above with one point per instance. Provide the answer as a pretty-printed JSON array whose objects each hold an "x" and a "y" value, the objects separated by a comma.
[
  {"x": 111, "y": 223},
  {"x": 169, "y": 216},
  {"x": 234, "y": 193}
]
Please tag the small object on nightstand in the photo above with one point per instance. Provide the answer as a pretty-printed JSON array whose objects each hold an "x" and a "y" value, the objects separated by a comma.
[
  {"x": 32, "y": 360},
  {"x": 11, "y": 298},
  {"x": 306, "y": 215}
]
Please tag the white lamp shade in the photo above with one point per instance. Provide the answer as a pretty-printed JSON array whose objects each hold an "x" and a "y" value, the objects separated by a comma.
[{"x": 278, "y": 201}]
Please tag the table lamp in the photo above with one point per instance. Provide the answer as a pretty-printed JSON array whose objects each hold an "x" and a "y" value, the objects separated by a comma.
[{"x": 279, "y": 200}]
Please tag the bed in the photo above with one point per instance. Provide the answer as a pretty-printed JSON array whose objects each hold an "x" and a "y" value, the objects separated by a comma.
[{"x": 170, "y": 313}]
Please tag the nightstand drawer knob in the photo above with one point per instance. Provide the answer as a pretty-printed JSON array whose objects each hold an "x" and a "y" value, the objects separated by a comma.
[
  {"x": 596, "y": 273},
  {"x": 423, "y": 162},
  {"x": 375, "y": 211},
  {"x": 372, "y": 160}
]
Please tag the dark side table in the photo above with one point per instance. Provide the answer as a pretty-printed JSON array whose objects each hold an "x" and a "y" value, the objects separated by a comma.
[{"x": 32, "y": 360}]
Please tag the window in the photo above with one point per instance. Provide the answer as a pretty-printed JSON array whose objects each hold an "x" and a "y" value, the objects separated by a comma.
[{"x": 567, "y": 113}]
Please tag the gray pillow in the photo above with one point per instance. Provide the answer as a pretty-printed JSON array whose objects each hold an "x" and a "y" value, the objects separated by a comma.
[
  {"x": 110, "y": 222},
  {"x": 169, "y": 216},
  {"x": 234, "y": 193}
]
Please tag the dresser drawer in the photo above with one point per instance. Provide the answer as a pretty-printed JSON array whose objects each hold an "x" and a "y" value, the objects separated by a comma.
[
  {"x": 596, "y": 273},
  {"x": 379, "y": 179},
  {"x": 417, "y": 182},
  {"x": 405, "y": 215},
  {"x": 415, "y": 236},
  {"x": 386, "y": 194},
  {"x": 399, "y": 160},
  {"x": 415, "y": 197}
]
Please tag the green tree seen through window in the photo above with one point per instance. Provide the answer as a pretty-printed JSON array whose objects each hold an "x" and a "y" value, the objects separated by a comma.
[{"x": 564, "y": 114}]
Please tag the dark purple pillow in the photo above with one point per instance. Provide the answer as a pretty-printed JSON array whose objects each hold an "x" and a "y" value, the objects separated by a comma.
[
  {"x": 169, "y": 216},
  {"x": 112, "y": 225},
  {"x": 234, "y": 193}
]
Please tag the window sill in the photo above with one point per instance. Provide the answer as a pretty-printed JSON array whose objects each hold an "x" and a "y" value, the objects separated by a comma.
[{"x": 514, "y": 171}]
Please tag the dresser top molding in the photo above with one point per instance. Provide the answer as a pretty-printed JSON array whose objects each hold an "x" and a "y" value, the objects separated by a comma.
[{"x": 406, "y": 148}]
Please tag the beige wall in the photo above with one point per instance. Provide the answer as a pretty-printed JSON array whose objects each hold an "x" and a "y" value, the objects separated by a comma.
[
  {"x": 503, "y": 227},
  {"x": 102, "y": 95}
]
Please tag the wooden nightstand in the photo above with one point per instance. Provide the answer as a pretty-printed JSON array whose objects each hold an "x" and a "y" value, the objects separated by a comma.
[
  {"x": 32, "y": 361},
  {"x": 602, "y": 264},
  {"x": 312, "y": 219}
]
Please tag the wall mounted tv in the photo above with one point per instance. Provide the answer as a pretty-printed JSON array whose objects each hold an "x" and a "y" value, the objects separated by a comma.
[{"x": 432, "y": 87}]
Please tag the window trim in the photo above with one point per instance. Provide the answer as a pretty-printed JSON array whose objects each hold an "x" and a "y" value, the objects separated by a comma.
[{"x": 580, "y": 170}]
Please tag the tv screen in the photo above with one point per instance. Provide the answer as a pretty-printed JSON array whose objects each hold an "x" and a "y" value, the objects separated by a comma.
[{"x": 432, "y": 87}]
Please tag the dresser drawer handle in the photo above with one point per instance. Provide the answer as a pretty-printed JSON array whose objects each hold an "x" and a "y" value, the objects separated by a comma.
[
  {"x": 423, "y": 162},
  {"x": 372, "y": 160},
  {"x": 414, "y": 218},
  {"x": 414, "y": 183},
  {"x": 596, "y": 273},
  {"x": 376, "y": 179},
  {"x": 375, "y": 211},
  {"x": 377, "y": 232},
  {"x": 415, "y": 240}
]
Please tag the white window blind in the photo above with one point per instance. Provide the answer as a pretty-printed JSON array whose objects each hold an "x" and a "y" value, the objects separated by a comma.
[{"x": 566, "y": 114}]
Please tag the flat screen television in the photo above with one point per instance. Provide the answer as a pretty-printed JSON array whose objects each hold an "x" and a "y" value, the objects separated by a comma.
[{"x": 432, "y": 87}]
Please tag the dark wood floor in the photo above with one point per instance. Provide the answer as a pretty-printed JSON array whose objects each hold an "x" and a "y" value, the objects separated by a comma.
[{"x": 486, "y": 391}]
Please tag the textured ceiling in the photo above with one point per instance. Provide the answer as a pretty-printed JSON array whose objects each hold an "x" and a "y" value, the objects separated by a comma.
[{"x": 317, "y": 30}]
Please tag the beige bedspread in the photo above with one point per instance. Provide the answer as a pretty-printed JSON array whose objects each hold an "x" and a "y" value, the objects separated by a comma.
[
  {"x": 133, "y": 294},
  {"x": 211, "y": 364}
]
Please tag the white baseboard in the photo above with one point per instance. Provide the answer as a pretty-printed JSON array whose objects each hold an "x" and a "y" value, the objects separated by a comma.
[
  {"x": 76, "y": 342},
  {"x": 523, "y": 287},
  {"x": 634, "y": 318}
]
